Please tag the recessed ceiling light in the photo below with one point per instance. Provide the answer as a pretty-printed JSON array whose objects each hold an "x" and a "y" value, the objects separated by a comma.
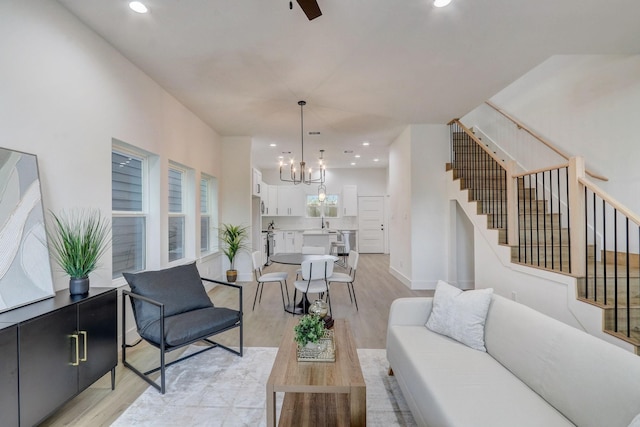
[
  {"x": 357, "y": 156},
  {"x": 353, "y": 163},
  {"x": 365, "y": 143},
  {"x": 376, "y": 160},
  {"x": 273, "y": 145},
  {"x": 138, "y": 6},
  {"x": 441, "y": 3}
]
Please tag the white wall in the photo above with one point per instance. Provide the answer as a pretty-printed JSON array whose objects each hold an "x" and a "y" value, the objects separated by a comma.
[
  {"x": 418, "y": 225},
  {"x": 400, "y": 207},
  {"x": 588, "y": 106},
  {"x": 66, "y": 94},
  {"x": 235, "y": 189}
]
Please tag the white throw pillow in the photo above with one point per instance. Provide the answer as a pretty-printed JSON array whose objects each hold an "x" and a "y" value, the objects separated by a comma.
[{"x": 460, "y": 314}]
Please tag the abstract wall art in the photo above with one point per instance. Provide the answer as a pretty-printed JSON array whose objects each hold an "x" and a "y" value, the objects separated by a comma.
[{"x": 25, "y": 268}]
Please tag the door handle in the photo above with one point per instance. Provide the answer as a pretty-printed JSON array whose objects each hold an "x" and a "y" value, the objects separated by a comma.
[
  {"x": 84, "y": 337},
  {"x": 77, "y": 349}
]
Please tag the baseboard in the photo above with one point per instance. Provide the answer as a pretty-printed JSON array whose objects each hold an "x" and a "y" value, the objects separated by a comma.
[{"x": 413, "y": 284}]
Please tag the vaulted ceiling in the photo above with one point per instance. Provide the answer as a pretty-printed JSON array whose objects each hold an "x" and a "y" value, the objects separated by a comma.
[{"x": 367, "y": 68}]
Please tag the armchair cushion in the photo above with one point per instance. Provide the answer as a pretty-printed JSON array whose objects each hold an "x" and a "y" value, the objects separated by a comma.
[
  {"x": 179, "y": 288},
  {"x": 192, "y": 326}
]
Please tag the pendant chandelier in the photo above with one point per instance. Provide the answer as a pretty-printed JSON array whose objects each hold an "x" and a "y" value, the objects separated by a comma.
[{"x": 303, "y": 175}]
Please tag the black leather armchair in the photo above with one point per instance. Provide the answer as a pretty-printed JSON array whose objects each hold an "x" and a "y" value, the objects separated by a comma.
[{"x": 172, "y": 310}]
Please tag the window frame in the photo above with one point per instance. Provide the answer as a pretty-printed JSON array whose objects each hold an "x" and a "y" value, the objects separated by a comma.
[
  {"x": 182, "y": 214},
  {"x": 124, "y": 151},
  {"x": 323, "y": 206}
]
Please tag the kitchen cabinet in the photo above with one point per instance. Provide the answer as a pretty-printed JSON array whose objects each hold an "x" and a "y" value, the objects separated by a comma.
[
  {"x": 290, "y": 201},
  {"x": 290, "y": 241},
  {"x": 272, "y": 206},
  {"x": 297, "y": 245},
  {"x": 278, "y": 242},
  {"x": 287, "y": 241},
  {"x": 256, "y": 183},
  {"x": 349, "y": 200},
  {"x": 64, "y": 345},
  {"x": 9, "y": 374},
  {"x": 264, "y": 199}
]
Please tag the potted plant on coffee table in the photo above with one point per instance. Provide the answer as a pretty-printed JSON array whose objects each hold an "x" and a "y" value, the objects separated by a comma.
[
  {"x": 233, "y": 238},
  {"x": 78, "y": 239},
  {"x": 309, "y": 330}
]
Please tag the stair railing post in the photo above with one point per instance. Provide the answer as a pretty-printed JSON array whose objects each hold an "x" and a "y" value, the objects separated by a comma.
[
  {"x": 577, "y": 216},
  {"x": 512, "y": 204}
]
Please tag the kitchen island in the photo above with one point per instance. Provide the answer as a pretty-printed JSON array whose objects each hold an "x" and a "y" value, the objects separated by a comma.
[{"x": 321, "y": 237}]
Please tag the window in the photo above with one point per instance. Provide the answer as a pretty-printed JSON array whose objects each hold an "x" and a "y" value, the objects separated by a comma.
[
  {"x": 176, "y": 213},
  {"x": 328, "y": 209},
  {"x": 129, "y": 213},
  {"x": 206, "y": 210}
]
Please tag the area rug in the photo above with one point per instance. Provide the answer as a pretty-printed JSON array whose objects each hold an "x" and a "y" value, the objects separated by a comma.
[{"x": 217, "y": 388}]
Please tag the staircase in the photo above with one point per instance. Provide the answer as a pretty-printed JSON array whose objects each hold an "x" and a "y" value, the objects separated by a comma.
[{"x": 611, "y": 281}]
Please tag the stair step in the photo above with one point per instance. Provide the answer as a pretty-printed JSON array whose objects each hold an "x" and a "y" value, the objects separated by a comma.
[
  {"x": 536, "y": 254},
  {"x": 610, "y": 314}
]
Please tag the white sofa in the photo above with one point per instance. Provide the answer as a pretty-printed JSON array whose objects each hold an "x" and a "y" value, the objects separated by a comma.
[{"x": 537, "y": 371}]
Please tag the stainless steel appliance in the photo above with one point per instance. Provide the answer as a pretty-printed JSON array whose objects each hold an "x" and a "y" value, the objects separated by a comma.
[
  {"x": 270, "y": 246},
  {"x": 348, "y": 237}
]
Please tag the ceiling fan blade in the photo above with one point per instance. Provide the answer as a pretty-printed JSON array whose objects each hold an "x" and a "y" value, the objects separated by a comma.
[{"x": 310, "y": 8}]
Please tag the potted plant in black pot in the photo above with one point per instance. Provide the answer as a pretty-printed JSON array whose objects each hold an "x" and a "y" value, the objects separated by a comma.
[
  {"x": 78, "y": 239},
  {"x": 233, "y": 238}
]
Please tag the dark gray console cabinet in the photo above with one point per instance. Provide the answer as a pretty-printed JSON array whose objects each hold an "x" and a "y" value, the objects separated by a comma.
[
  {"x": 9, "y": 374},
  {"x": 64, "y": 345}
]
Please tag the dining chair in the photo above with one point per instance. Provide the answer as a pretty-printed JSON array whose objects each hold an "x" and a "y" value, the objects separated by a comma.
[
  {"x": 310, "y": 250},
  {"x": 314, "y": 280},
  {"x": 348, "y": 278},
  {"x": 262, "y": 278}
]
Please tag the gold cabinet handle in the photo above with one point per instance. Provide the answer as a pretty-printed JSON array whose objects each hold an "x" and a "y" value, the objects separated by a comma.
[
  {"x": 84, "y": 336},
  {"x": 77, "y": 339}
]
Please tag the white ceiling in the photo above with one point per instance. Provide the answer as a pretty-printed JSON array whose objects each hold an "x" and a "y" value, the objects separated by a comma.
[{"x": 367, "y": 68}]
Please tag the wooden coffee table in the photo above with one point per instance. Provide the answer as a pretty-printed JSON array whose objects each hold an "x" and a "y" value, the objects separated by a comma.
[{"x": 318, "y": 393}]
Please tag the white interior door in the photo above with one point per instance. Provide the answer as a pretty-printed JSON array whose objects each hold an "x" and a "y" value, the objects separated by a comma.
[{"x": 371, "y": 225}]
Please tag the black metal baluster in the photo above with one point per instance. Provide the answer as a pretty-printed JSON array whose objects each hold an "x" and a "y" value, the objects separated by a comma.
[
  {"x": 604, "y": 262},
  {"x": 544, "y": 217},
  {"x": 586, "y": 243},
  {"x": 559, "y": 214},
  {"x": 568, "y": 216},
  {"x": 628, "y": 284},
  {"x": 595, "y": 239},
  {"x": 553, "y": 249},
  {"x": 530, "y": 216},
  {"x": 615, "y": 265}
]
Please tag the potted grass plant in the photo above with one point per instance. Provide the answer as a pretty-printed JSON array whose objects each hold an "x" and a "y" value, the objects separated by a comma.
[
  {"x": 234, "y": 239},
  {"x": 78, "y": 239}
]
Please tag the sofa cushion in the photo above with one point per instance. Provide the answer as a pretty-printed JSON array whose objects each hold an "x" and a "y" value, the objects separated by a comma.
[
  {"x": 449, "y": 384},
  {"x": 460, "y": 314},
  {"x": 193, "y": 325},
  {"x": 584, "y": 377},
  {"x": 179, "y": 288}
]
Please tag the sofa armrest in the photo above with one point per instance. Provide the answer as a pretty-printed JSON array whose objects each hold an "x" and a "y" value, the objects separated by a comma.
[
  {"x": 410, "y": 311},
  {"x": 231, "y": 285}
]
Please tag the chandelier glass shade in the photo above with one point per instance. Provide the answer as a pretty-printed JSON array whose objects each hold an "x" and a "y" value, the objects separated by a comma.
[
  {"x": 302, "y": 175},
  {"x": 322, "y": 193}
]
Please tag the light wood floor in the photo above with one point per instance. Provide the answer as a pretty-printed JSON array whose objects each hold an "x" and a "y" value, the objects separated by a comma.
[{"x": 264, "y": 327}]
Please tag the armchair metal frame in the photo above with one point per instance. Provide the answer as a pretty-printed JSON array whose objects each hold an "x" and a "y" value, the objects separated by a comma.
[{"x": 164, "y": 348}]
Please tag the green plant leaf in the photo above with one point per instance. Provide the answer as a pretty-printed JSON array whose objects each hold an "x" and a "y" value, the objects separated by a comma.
[{"x": 78, "y": 239}]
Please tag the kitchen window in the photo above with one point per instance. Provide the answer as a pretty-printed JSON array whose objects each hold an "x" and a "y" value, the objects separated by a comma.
[
  {"x": 317, "y": 209},
  {"x": 129, "y": 211}
]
